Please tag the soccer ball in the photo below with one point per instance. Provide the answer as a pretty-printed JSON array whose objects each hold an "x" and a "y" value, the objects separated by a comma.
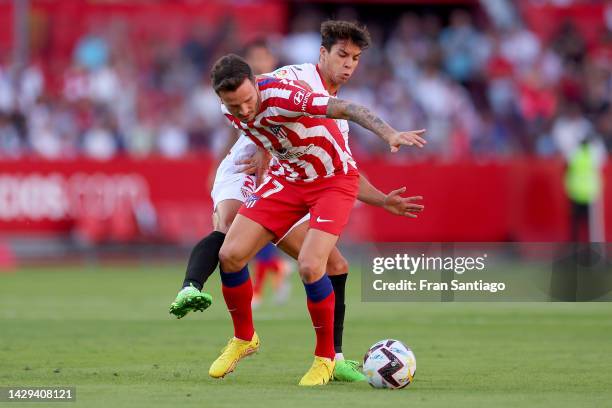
[{"x": 389, "y": 364}]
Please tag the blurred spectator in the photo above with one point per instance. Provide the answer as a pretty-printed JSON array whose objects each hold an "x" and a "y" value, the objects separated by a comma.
[
  {"x": 465, "y": 49},
  {"x": 303, "y": 43},
  {"x": 570, "y": 128},
  {"x": 568, "y": 43},
  {"x": 11, "y": 144},
  {"x": 102, "y": 140},
  {"x": 604, "y": 126},
  {"x": 257, "y": 53},
  {"x": 584, "y": 185},
  {"x": 172, "y": 139},
  {"x": 521, "y": 47},
  {"x": 91, "y": 52},
  {"x": 407, "y": 48}
]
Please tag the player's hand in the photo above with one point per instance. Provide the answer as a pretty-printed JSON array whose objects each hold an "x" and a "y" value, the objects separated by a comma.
[
  {"x": 256, "y": 165},
  {"x": 411, "y": 138},
  {"x": 405, "y": 206}
]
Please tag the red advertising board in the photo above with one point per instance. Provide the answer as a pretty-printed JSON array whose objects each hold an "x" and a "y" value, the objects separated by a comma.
[{"x": 521, "y": 200}]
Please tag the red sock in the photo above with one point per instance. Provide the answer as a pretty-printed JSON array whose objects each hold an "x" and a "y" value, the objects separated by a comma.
[
  {"x": 238, "y": 301},
  {"x": 322, "y": 316}
]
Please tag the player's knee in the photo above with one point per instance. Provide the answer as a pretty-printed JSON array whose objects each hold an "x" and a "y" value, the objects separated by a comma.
[
  {"x": 310, "y": 270},
  {"x": 230, "y": 260},
  {"x": 337, "y": 266}
]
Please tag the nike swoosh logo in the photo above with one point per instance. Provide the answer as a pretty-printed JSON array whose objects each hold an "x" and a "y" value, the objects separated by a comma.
[
  {"x": 231, "y": 310},
  {"x": 319, "y": 219},
  {"x": 317, "y": 327}
]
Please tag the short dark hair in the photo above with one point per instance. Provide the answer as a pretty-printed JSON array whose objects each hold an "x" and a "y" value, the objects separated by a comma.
[
  {"x": 333, "y": 31},
  {"x": 229, "y": 72}
]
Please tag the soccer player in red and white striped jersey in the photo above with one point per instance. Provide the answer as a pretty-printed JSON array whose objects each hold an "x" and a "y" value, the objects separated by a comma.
[
  {"x": 319, "y": 177},
  {"x": 292, "y": 124}
]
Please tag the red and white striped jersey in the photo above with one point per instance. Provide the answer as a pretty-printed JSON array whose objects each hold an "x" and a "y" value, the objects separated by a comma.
[
  {"x": 291, "y": 124},
  {"x": 310, "y": 74}
]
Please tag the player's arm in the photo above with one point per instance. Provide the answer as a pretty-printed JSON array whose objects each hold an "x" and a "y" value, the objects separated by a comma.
[
  {"x": 300, "y": 102},
  {"x": 392, "y": 202},
  {"x": 341, "y": 109}
]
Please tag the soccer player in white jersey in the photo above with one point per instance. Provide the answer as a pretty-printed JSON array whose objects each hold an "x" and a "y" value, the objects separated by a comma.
[{"x": 342, "y": 45}]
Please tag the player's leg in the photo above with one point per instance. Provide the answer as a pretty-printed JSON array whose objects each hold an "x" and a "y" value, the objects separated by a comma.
[
  {"x": 243, "y": 240},
  {"x": 267, "y": 214},
  {"x": 337, "y": 270},
  {"x": 320, "y": 302},
  {"x": 330, "y": 204},
  {"x": 203, "y": 261},
  {"x": 228, "y": 194},
  {"x": 204, "y": 257}
]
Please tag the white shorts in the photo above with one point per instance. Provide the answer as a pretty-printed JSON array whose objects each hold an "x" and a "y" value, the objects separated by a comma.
[{"x": 238, "y": 186}]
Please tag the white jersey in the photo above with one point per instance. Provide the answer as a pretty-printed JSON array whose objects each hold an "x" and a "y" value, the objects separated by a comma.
[
  {"x": 241, "y": 150},
  {"x": 244, "y": 147}
]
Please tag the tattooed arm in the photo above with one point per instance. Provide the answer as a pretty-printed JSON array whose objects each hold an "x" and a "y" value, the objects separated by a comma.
[{"x": 341, "y": 109}]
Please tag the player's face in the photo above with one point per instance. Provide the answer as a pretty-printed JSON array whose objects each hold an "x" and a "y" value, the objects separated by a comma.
[
  {"x": 340, "y": 62},
  {"x": 243, "y": 103}
]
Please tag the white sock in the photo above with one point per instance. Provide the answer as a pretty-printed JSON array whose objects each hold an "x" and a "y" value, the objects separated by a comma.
[{"x": 339, "y": 356}]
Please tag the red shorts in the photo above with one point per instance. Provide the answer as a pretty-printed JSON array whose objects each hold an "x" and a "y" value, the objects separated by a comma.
[{"x": 278, "y": 204}]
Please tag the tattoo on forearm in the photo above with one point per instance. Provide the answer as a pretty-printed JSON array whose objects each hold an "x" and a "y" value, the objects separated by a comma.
[{"x": 341, "y": 109}]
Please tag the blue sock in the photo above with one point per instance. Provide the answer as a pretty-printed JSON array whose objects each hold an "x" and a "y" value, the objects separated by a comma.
[
  {"x": 234, "y": 279},
  {"x": 319, "y": 290}
]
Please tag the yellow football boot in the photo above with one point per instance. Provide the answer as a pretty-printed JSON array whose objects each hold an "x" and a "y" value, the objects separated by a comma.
[
  {"x": 320, "y": 372},
  {"x": 235, "y": 350}
]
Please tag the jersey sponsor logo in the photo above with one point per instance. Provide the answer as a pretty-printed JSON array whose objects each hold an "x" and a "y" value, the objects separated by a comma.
[
  {"x": 298, "y": 97},
  {"x": 305, "y": 101},
  {"x": 295, "y": 153}
]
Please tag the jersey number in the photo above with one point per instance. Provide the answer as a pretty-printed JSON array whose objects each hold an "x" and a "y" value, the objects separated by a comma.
[{"x": 277, "y": 187}]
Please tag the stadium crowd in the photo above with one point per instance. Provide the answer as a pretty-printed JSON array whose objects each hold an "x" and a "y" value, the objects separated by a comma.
[{"x": 480, "y": 90}]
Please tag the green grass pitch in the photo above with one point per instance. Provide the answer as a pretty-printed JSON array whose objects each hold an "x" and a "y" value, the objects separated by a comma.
[{"x": 107, "y": 331}]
